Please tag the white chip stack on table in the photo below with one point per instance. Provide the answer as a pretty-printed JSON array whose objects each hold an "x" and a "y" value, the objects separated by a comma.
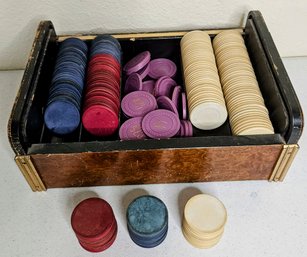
[
  {"x": 248, "y": 114},
  {"x": 206, "y": 102},
  {"x": 204, "y": 220}
]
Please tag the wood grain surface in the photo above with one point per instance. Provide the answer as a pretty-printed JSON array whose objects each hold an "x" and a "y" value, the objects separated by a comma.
[{"x": 157, "y": 166}]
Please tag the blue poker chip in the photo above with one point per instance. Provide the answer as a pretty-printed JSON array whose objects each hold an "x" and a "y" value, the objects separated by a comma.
[
  {"x": 62, "y": 114},
  {"x": 61, "y": 117},
  {"x": 68, "y": 76},
  {"x": 106, "y": 44},
  {"x": 147, "y": 221},
  {"x": 65, "y": 86},
  {"x": 108, "y": 38},
  {"x": 67, "y": 96},
  {"x": 76, "y": 42},
  {"x": 148, "y": 243}
]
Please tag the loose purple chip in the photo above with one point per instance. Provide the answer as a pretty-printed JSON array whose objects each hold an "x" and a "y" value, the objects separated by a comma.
[
  {"x": 144, "y": 71},
  {"x": 133, "y": 83},
  {"x": 175, "y": 96},
  {"x": 132, "y": 129},
  {"x": 162, "y": 67},
  {"x": 165, "y": 103},
  {"x": 149, "y": 86},
  {"x": 160, "y": 124},
  {"x": 164, "y": 86},
  {"x": 184, "y": 106},
  {"x": 138, "y": 103},
  {"x": 137, "y": 62}
]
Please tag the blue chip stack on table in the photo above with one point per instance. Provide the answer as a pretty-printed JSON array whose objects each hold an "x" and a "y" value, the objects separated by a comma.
[
  {"x": 62, "y": 113},
  {"x": 147, "y": 219}
]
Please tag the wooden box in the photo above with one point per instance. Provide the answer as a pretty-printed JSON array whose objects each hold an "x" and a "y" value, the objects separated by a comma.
[{"x": 79, "y": 159}]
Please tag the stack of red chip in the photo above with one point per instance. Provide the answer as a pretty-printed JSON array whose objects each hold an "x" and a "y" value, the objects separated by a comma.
[
  {"x": 94, "y": 224},
  {"x": 102, "y": 96}
]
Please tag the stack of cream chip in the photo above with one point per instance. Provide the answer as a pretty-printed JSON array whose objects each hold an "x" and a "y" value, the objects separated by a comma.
[
  {"x": 206, "y": 101},
  {"x": 204, "y": 220},
  {"x": 247, "y": 112}
]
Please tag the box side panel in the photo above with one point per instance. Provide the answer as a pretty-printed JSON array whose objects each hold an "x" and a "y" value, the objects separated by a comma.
[
  {"x": 295, "y": 112},
  {"x": 157, "y": 166}
]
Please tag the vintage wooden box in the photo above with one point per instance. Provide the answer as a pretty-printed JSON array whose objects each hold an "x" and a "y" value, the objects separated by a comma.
[{"x": 82, "y": 160}]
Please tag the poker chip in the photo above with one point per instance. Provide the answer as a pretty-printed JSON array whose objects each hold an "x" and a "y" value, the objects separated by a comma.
[
  {"x": 137, "y": 63},
  {"x": 161, "y": 124},
  {"x": 132, "y": 129},
  {"x": 183, "y": 106},
  {"x": 62, "y": 112},
  {"x": 133, "y": 83},
  {"x": 175, "y": 96},
  {"x": 149, "y": 86},
  {"x": 144, "y": 97},
  {"x": 162, "y": 67},
  {"x": 101, "y": 104},
  {"x": 165, "y": 103},
  {"x": 164, "y": 86},
  {"x": 147, "y": 221},
  {"x": 94, "y": 224},
  {"x": 204, "y": 220},
  {"x": 138, "y": 103}
]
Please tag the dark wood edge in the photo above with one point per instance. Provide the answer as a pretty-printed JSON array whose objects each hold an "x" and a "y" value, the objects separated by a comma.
[
  {"x": 296, "y": 119},
  {"x": 14, "y": 123}
]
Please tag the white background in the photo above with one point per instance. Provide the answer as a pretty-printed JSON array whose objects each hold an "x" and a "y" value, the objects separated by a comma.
[{"x": 286, "y": 20}]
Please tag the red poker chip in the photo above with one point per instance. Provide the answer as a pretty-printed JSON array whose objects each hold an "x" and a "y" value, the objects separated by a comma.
[
  {"x": 92, "y": 217},
  {"x": 99, "y": 248},
  {"x": 106, "y": 79},
  {"x": 102, "y": 238},
  {"x": 108, "y": 105},
  {"x": 97, "y": 68},
  {"x": 104, "y": 57},
  {"x": 96, "y": 85},
  {"x": 104, "y": 100},
  {"x": 103, "y": 92},
  {"x": 100, "y": 120}
]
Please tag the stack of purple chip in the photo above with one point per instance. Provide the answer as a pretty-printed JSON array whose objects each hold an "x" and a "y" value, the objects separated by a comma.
[{"x": 154, "y": 104}]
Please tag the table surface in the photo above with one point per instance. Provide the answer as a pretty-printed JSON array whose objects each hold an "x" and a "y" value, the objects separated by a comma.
[{"x": 264, "y": 219}]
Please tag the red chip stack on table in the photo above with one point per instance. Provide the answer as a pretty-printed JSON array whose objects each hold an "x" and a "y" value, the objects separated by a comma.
[
  {"x": 94, "y": 224},
  {"x": 155, "y": 108},
  {"x": 102, "y": 96}
]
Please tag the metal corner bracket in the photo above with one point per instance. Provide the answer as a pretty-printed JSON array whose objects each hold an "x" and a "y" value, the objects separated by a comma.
[
  {"x": 28, "y": 170},
  {"x": 284, "y": 162}
]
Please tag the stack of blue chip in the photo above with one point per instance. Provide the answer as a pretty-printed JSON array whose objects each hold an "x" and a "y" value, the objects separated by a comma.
[
  {"x": 62, "y": 113},
  {"x": 106, "y": 44},
  {"x": 147, "y": 219}
]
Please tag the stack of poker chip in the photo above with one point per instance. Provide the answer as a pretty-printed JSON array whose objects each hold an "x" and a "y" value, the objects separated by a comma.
[
  {"x": 204, "y": 220},
  {"x": 206, "y": 101},
  {"x": 147, "y": 221},
  {"x": 94, "y": 224},
  {"x": 154, "y": 104},
  {"x": 62, "y": 113},
  {"x": 248, "y": 114},
  {"x": 102, "y": 97}
]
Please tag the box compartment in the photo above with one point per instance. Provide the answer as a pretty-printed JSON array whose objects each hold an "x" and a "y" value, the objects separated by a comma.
[{"x": 80, "y": 159}]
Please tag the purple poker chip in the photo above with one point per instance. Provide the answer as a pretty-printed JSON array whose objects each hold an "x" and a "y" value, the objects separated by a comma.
[
  {"x": 184, "y": 106},
  {"x": 160, "y": 124},
  {"x": 132, "y": 129},
  {"x": 162, "y": 67},
  {"x": 187, "y": 128},
  {"x": 133, "y": 83},
  {"x": 164, "y": 86},
  {"x": 175, "y": 96},
  {"x": 149, "y": 86},
  {"x": 165, "y": 103},
  {"x": 137, "y": 62},
  {"x": 138, "y": 103},
  {"x": 144, "y": 71}
]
